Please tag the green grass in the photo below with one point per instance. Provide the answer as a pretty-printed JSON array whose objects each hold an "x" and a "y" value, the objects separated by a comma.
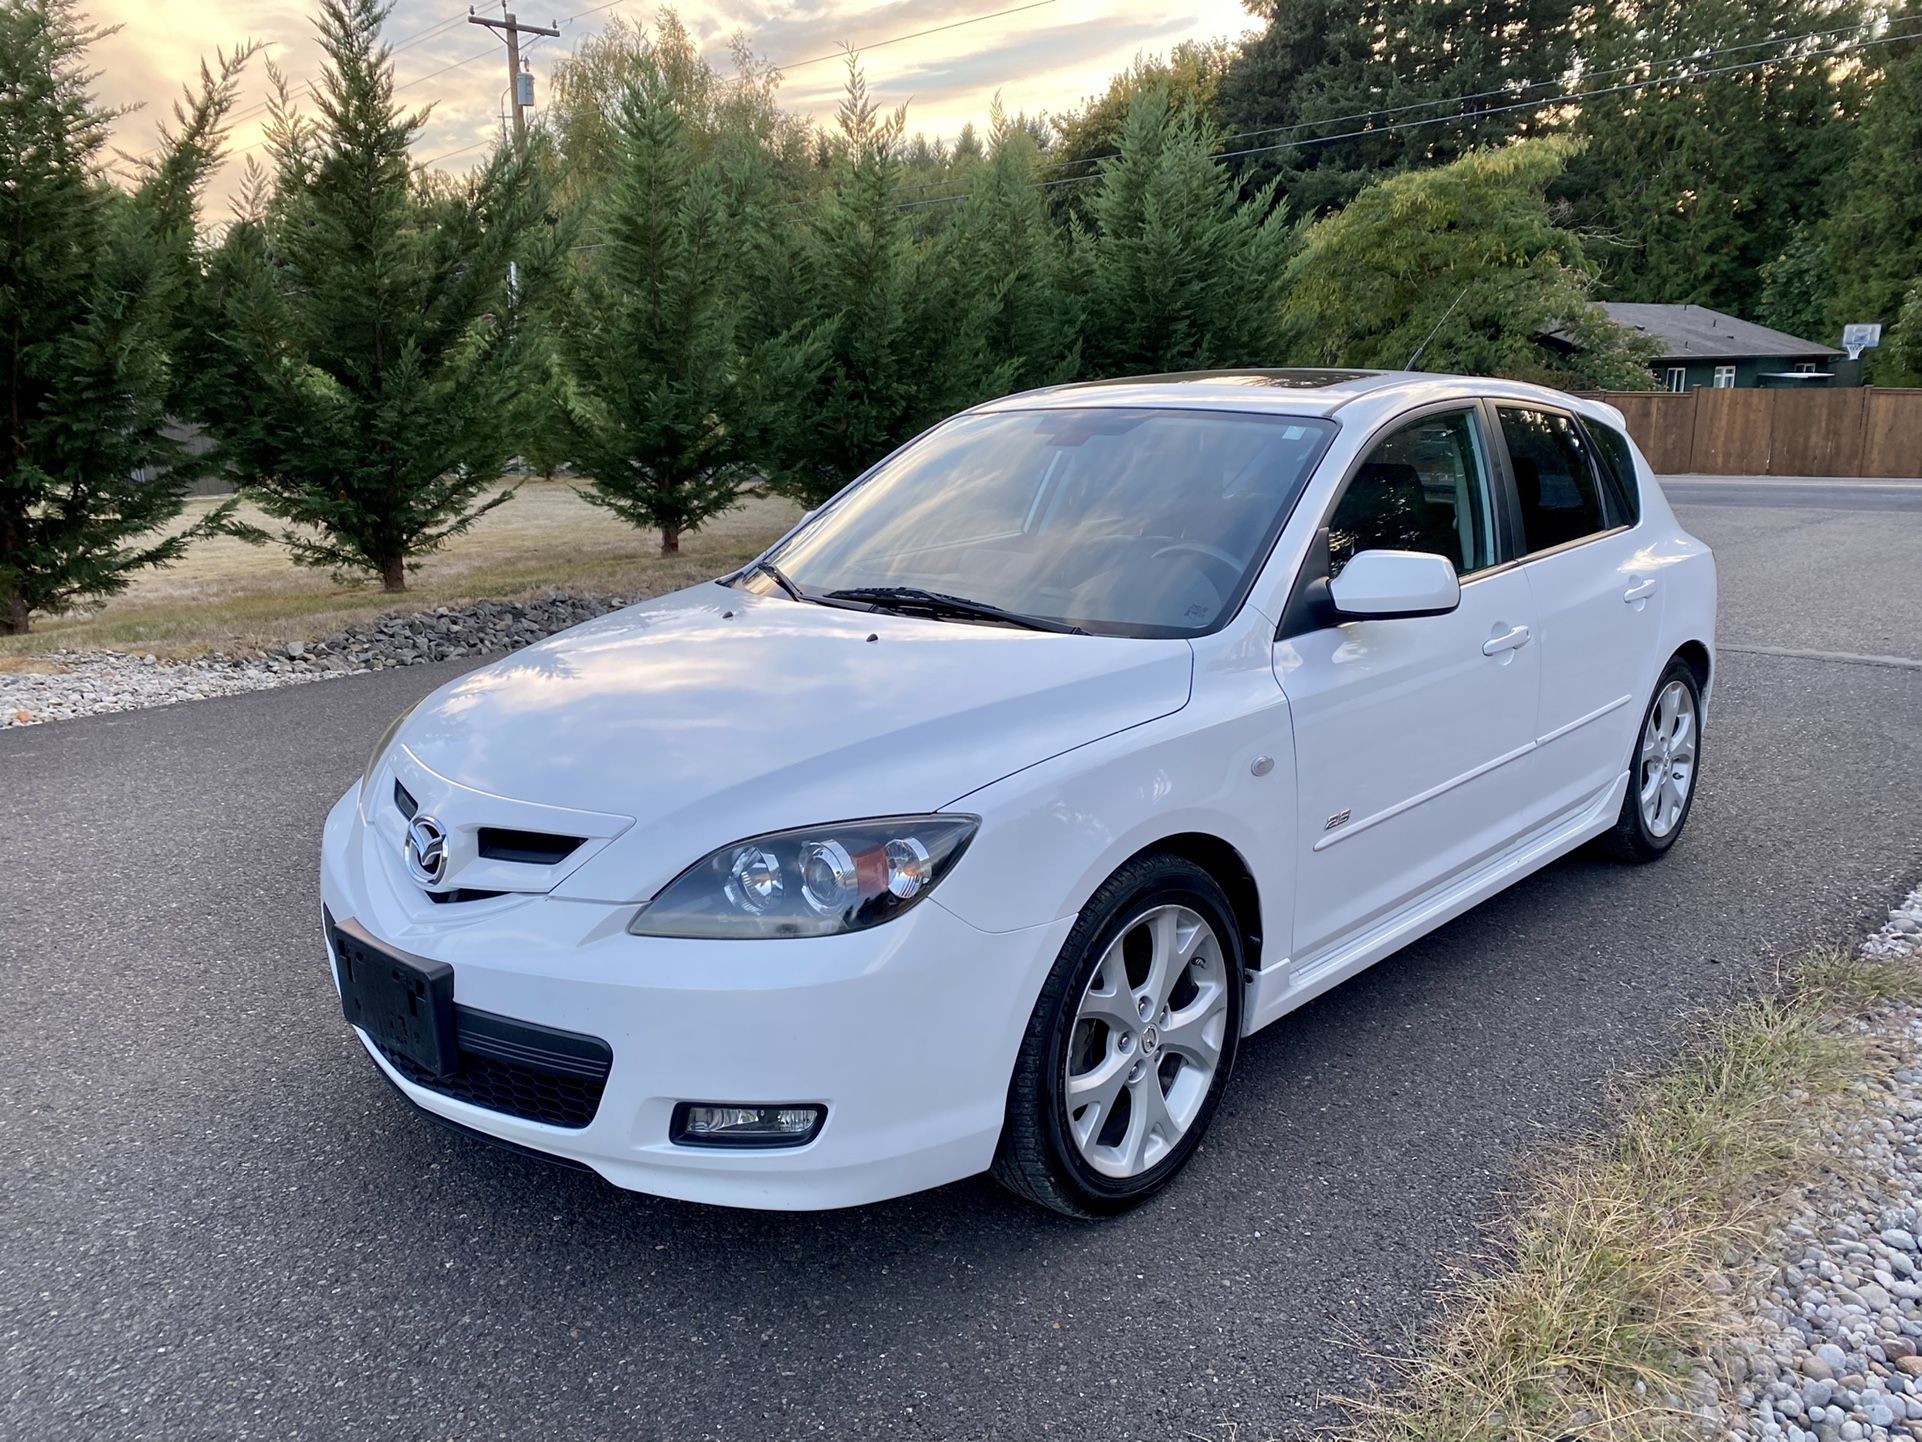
[{"x": 1625, "y": 1250}]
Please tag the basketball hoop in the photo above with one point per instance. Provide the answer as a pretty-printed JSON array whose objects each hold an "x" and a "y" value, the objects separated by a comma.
[{"x": 1858, "y": 338}]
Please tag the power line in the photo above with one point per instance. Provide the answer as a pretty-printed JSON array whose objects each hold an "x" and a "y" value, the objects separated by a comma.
[
  {"x": 450, "y": 154},
  {"x": 796, "y": 65},
  {"x": 593, "y": 10},
  {"x": 435, "y": 74},
  {"x": 844, "y": 52},
  {"x": 419, "y": 37},
  {"x": 1886, "y": 39},
  {"x": 1561, "y": 99},
  {"x": 1670, "y": 65}
]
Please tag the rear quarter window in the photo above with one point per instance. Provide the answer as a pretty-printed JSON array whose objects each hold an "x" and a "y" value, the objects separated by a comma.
[{"x": 1618, "y": 468}]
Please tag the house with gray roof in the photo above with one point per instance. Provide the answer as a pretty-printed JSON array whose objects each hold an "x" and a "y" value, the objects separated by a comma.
[{"x": 1703, "y": 347}]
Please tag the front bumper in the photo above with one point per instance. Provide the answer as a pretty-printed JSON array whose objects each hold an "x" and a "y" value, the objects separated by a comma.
[{"x": 907, "y": 1033}]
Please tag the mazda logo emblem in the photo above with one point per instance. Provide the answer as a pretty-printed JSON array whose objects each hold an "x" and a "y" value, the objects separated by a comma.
[{"x": 426, "y": 851}]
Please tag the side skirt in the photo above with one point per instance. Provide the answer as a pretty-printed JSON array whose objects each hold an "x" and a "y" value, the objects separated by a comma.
[{"x": 1284, "y": 984}]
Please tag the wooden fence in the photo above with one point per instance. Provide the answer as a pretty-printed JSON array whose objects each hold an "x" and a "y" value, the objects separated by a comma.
[{"x": 1864, "y": 431}]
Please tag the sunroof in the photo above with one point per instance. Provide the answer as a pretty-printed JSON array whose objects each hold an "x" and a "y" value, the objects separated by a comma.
[{"x": 1288, "y": 380}]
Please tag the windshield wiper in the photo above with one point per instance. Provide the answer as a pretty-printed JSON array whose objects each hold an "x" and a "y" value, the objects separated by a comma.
[
  {"x": 937, "y": 603},
  {"x": 779, "y": 577}
]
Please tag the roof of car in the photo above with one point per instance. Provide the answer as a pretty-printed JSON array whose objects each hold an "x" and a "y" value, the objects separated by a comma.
[{"x": 1299, "y": 392}]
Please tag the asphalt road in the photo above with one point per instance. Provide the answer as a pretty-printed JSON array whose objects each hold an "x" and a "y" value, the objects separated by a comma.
[{"x": 219, "y": 1222}]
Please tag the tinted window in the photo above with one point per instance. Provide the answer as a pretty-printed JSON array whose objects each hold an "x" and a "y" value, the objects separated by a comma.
[
  {"x": 1423, "y": 488},
  {"x": 1618, "y": 461},
  {"x": 1561, "y": 498},
  {"x": 1121, "y": 521}
]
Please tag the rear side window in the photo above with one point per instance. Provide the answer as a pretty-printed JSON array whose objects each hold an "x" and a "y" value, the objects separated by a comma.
[
  {"x": 1555, "y": 479},
  {"x": 1618, "y": 464}
]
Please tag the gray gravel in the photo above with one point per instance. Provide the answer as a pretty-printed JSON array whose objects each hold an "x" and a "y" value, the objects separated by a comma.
[
  {"x": 89, "y": 683},
  {"x": 1836, "y": 1354}
]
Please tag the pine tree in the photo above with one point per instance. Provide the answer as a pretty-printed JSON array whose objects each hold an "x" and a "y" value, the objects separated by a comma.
[
  {"x": 1173, "y": 274},
  {"x": 1461, "y": 268},
  {"x": 1694, "y": 180},
  {"x": 91, "y": 300},
  {"x": 663, "y": 403},
  {"x": 361, "y": 385},
  {"x": 1872, "y": 238},
  {"x": 895, "y": 359},
  {"x": 1083, "y": 137},
  {"x": 1003, "y": 256}
]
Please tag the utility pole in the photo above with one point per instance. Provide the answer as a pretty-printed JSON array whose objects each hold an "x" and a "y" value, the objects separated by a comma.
[{"x": 511, "y": 30}]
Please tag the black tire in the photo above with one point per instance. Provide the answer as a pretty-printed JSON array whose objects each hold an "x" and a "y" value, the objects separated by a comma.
[
  {"x": 1631, "y": 839},
  {"x": 1037, "y": 1157}
]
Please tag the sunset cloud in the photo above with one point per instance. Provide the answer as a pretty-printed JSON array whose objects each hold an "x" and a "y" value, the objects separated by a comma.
[{"x": 1046, "y": 58}]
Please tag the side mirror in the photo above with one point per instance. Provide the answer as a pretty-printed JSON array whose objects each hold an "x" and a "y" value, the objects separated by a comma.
[{"x": 1383, "y": 585}]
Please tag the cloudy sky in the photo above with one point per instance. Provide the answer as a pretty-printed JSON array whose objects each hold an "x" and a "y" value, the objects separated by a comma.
[{"x": 1044, "y": 56}]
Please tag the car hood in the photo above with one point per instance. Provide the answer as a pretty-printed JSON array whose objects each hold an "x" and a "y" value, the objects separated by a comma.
[{"x": 712, "y": 714}]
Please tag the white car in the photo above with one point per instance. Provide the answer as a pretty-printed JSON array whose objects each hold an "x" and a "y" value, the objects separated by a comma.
[{"x": 976, "y": 823}]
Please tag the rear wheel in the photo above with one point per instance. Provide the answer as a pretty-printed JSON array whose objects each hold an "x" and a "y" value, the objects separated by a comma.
[
  {"x": 1130, "y": 1043},
  {"x": 1661, "y": 779}
]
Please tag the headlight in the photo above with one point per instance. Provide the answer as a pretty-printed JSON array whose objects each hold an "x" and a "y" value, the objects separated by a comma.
[
  {"x": 379, "y": 753},
  {"x": 815, "y": 882}
]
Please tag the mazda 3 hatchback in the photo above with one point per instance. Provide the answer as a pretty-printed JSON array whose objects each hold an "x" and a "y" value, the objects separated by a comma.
[{"x": 976, "y": 823}]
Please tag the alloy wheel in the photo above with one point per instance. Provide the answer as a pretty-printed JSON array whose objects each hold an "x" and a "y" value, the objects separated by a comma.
[
  {"x": 1667, "y": 759},
  {"x": 1146, "y": 1042}
]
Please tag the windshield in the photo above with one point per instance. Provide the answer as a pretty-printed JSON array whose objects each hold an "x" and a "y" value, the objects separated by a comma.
[{"x": 1119, "y": 522}]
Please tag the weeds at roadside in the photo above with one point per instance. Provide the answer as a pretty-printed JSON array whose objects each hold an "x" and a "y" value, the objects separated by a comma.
[{"x": 1629, "y": 1249}]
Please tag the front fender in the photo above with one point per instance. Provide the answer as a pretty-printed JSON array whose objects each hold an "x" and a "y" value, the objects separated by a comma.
[{"x": 1050, "y": 835}]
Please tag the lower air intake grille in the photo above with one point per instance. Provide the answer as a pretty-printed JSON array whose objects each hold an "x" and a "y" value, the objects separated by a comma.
[{"x": 515, "y": 1088}]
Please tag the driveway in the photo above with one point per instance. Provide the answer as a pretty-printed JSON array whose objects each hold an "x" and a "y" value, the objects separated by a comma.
[{"x": 221, "y": 1223}]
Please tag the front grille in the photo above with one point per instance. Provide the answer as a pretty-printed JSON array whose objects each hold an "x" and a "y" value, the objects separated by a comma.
[
  {"x": 503, "y": 843},
  {"x": 531, "y": 848}
]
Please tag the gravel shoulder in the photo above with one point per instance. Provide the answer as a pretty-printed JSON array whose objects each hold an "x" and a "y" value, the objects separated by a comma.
[
  {"x": 1833, "y": 1351},
  {"x": 70, "y": 684}
]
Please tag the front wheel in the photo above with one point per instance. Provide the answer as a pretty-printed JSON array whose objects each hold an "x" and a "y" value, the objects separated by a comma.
[
  {"x": 1661, "y": 778},
  {"x": 1129, "y": 1045}
]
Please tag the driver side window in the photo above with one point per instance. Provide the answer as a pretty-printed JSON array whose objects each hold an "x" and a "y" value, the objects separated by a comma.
[{"x": 1423, "y": 487}]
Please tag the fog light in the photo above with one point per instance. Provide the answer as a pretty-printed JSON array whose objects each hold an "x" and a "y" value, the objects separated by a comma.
[{"x": 709, "y": 1124}]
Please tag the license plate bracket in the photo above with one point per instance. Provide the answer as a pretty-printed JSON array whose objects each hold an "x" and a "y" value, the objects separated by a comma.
[{"x": 404, "y": 1003}]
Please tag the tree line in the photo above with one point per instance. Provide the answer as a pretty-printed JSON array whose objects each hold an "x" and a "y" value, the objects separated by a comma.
[{"x": 675, "y": 287}]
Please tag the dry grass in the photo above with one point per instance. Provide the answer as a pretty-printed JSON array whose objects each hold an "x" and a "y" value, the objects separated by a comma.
[
  {"x": 1627, "y": 1249},
  {"x": 229, "y": 596}
]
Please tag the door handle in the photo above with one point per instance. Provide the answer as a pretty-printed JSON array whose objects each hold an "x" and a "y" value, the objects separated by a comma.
[
  {"x": 1640, "y": 591},
  {"x": 1512, "y": 639}
]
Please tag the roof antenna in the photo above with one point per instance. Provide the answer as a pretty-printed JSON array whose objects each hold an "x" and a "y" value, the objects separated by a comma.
[{"x": 1431, "y": 334}]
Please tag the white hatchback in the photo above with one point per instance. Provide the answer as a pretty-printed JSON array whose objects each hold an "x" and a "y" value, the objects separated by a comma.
[{"x": 975, "y": 823}]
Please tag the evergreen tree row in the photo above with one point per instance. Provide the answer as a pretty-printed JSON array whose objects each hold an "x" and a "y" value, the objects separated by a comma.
[{"x": 675, "y": 288}]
